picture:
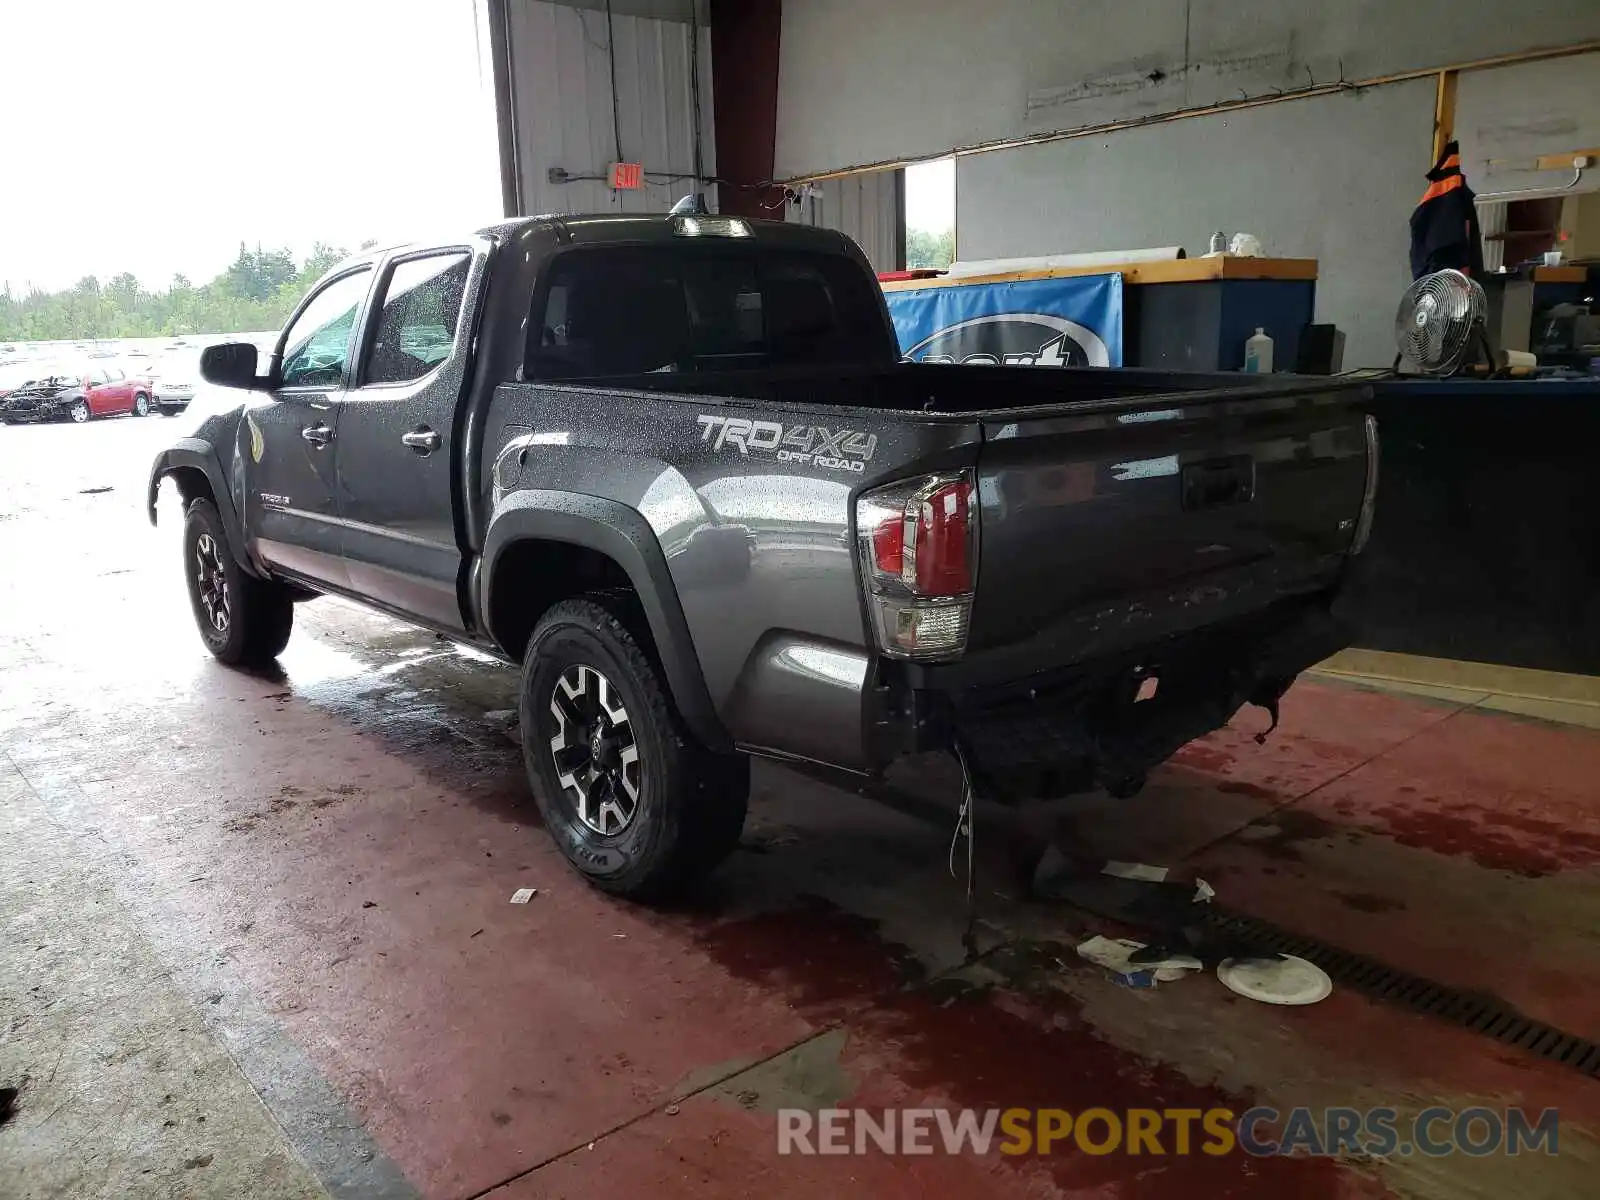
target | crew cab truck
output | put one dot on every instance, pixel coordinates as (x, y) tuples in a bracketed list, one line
[(674, 468)]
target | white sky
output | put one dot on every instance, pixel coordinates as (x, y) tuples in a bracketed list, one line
[(153, 136), (931, 195)]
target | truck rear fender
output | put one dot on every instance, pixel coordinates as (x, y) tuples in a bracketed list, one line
[(612, 543)]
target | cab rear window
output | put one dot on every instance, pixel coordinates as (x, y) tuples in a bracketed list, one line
[(635, 310)]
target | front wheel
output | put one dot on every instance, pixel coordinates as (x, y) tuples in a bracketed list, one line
[(637, 806), (79, 412), (244, 621), (141, 405)]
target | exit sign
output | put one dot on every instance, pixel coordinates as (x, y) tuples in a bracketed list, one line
[(627, 176)]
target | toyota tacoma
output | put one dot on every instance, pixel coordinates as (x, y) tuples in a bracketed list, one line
[(675, 469)]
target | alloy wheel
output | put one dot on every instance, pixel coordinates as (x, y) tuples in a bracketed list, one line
[(141, 406), (214, 598), (80, 412), (595, 754)]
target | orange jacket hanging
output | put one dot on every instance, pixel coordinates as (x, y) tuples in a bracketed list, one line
[(1444, 225)]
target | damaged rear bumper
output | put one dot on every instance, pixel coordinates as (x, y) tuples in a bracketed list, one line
[(1086, 727)]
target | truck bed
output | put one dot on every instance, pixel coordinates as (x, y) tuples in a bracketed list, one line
[(949, 388), (1117, 508)]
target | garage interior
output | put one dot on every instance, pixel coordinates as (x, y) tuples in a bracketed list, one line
[(257, 932)]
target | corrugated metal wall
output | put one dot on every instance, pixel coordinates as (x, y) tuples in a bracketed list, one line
[(562, 109), (870, 207)]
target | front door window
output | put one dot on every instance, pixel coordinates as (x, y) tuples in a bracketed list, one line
[(316, 348)]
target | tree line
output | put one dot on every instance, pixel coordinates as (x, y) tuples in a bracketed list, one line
[(257, 291), (930, 248)]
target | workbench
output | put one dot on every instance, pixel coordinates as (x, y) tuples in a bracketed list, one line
[(1191, 314)]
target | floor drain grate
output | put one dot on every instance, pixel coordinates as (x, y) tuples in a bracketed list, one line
[(1478, 1011)]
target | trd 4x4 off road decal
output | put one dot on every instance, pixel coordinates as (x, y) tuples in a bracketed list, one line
[(806, 445)]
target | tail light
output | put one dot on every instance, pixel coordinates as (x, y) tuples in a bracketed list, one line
[(1369, 496), (919, 560)]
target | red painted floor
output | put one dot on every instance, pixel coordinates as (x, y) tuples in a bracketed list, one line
[(345, 838)]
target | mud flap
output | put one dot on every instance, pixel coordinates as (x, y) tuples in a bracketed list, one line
[(1270, 703), (1272, 711)]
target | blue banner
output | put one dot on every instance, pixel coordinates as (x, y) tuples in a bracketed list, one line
[(1074, 321)]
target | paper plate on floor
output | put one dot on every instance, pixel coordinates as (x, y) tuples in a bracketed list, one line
[(1287, 980)]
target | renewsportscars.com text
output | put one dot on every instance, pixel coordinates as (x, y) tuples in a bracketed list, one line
[(1262, 1131)]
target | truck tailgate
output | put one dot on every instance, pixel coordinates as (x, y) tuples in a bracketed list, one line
[(1103, 530)]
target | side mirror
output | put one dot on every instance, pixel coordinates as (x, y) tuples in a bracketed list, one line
[(232, 364)]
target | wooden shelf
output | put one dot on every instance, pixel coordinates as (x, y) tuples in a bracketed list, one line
[(1177, 270), (1563, 274)]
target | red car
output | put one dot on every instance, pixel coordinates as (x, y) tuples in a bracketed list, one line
[(121, 391), (78, 393)]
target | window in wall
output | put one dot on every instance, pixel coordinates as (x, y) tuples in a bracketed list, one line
[(931, 213)]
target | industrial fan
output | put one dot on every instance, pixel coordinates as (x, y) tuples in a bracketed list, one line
[(1442, 326)]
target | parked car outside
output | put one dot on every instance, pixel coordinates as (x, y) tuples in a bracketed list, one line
[(140, 374), (175, 377), (123, 391), (76, 392), (14, 375)]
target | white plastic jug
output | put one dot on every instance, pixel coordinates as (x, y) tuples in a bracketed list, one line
[(1258, 352)]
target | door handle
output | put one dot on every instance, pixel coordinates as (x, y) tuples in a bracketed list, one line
[(422, 439), (318, 435)]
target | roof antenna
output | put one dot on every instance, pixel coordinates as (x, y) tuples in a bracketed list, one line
[(693, 205)]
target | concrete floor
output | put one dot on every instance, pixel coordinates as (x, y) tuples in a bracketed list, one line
[(256, 938)]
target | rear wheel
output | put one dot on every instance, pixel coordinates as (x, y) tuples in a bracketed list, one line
[(79, 412), (637, 806), (244, 621), (141, 405)]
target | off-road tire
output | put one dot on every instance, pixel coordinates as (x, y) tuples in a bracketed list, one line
[(260, 614), (691, 802)]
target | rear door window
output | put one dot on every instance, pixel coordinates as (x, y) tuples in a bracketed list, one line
[(416, 327), (628, 310)]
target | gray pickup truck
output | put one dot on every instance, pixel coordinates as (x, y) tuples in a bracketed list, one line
[(674, 468)]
